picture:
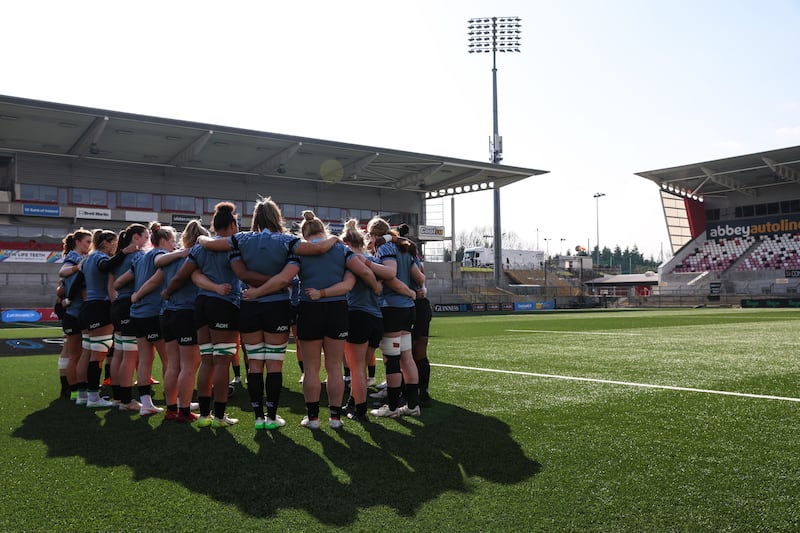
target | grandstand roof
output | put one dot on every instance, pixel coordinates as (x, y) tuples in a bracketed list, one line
[(34, 126), (744, 175), (626, 280)]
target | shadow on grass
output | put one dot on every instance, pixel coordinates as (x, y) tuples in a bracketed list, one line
[(401, 464)]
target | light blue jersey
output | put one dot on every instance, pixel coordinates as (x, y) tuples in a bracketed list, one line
[(184, 297), (127, 263), (361, 297), (216, 266), (321, 271), (150, 305), (265, 252), (404, 261)]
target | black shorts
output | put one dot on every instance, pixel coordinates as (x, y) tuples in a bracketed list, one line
[(148, 328), (398, 318), (365, 327), (422, 321), (271, 317), (216, 313), (95, 314), (317, 320), (179, 325), (121, 317), (71, 325)]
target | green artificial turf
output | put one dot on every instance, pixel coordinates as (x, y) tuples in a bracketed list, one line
[(540, 423)]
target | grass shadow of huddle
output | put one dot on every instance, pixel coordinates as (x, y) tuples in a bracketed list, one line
[(382, 464)]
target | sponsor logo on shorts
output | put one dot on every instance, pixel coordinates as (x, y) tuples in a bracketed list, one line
[(281, 328), (94, 325), (343, 335), (221, 325), (186, 339), (125, 321), (152, 336)]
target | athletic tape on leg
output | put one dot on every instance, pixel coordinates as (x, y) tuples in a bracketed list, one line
[(225, 348), (275, 352), (127, 343), (405, 342), (101, 343), (390, 346), (206, 349), (256, 351)]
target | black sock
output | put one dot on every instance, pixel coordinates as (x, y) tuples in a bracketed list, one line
[(219, 409), (125, 394), (361, 409), (115, 394), (93, 376), (346, 371), (255, 387), (336, 411), (205, 405), (371, 371), (312, 409), (424, 371), (412, 395), (273, 389), (107, 369), (73, 388), (185, 411), (300, 364), (145, 390), (64, 387), (237, 371), (173, 407), (393, 397)]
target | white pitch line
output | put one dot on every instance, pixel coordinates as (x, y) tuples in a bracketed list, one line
[(574, 332), (626, 383)]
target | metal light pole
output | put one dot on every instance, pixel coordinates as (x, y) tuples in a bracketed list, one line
[(597, 197), (495, 34)]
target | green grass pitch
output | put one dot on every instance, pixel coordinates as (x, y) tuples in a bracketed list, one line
[(669, 420)]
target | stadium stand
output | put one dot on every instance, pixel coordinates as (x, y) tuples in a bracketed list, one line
[(715, 256), (773, 252)]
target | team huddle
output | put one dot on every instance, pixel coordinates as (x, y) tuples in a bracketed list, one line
[(123, 298)]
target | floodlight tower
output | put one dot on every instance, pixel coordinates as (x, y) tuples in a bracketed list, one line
[(495, 34), (597, 197)]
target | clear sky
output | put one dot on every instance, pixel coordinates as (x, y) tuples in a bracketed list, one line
[(600, 90)]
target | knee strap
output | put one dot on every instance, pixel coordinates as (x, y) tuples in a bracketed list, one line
[(392, 365), (206, 349)]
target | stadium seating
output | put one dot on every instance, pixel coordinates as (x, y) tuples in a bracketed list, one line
[(774, 252), (715, 255)]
